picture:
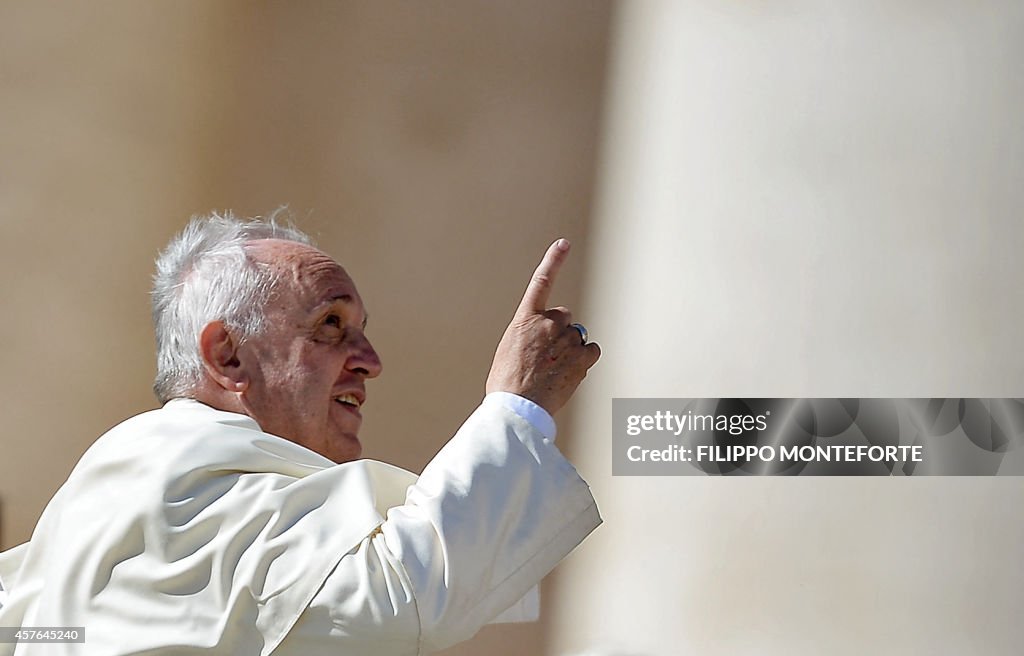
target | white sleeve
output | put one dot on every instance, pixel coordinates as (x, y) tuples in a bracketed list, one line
[(537, 416), (491, 514)]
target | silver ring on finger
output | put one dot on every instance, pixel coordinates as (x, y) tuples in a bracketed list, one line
[(584, 335)]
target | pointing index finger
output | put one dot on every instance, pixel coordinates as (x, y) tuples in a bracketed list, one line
[(537, 292)]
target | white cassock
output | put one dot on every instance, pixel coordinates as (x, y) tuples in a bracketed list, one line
[(188, 530)]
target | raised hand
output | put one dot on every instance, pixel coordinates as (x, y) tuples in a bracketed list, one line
[(542, 356)]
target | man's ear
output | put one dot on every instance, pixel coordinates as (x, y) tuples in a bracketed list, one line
[(219, 351)]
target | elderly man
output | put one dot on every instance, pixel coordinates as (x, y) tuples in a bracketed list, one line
[(238, 519)]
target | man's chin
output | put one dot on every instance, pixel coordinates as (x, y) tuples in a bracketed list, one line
[(343, 443), (344, 448)]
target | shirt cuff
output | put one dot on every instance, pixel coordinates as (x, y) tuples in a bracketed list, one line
[(537, 416)]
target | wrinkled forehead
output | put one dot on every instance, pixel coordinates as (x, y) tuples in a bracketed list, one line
[(307, 276)]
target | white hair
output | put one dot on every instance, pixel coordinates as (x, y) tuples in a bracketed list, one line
[(206, 275)]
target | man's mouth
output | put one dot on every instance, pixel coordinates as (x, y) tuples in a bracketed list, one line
[(349, 400)]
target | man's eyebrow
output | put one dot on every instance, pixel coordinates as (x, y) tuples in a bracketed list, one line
[(346, 298)]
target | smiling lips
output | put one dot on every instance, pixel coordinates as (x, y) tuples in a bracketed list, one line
[(350, 400)]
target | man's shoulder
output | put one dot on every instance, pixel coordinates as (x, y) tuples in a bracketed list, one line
[(183, 446), (177, 416), (161, 435), (190, 430)]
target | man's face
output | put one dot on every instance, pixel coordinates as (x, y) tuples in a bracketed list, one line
[(308, 367)]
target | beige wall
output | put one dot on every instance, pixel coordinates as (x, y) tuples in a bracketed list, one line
[(806, 199), (436, 148), (106, 110)]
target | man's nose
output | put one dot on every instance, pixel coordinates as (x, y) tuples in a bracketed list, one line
[(364, 359)]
